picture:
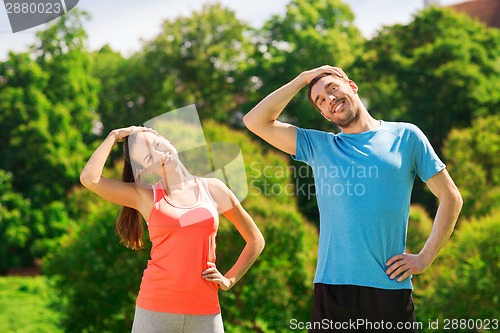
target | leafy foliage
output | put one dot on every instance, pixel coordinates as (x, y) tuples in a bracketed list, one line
[(474, 161), (46, 110), (439, 71), (197, 59), (15, 231), (46, 102), (466, 274), (26, 233), (118, 96)]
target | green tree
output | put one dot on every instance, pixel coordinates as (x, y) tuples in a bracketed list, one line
[(97, 279), (15, 231), (196, 59), (440, 71), (62, 53), (466, 275), (46, 112), (46, 102), (41, 153), (473, 156), (120, 96)]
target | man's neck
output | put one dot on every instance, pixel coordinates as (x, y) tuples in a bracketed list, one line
[(364, 123)]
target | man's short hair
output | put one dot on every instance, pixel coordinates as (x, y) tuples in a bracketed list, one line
[(312, 83)]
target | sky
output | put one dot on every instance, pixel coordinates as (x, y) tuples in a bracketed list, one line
[(124, 24)]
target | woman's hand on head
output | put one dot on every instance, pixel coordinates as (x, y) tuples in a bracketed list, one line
[(212, 274), (121, 133)]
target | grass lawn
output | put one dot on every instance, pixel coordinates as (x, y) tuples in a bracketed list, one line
[(24, 306)]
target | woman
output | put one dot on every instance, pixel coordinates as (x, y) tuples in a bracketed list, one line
[(179, 288)]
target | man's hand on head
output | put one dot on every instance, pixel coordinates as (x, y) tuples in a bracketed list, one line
[(309, 75)]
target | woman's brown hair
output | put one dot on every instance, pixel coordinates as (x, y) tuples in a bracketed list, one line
[(129, 223)]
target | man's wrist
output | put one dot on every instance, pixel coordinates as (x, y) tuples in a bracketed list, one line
[(426, 258), (300, 81)]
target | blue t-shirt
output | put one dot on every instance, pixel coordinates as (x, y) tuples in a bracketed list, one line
[(363, 186)]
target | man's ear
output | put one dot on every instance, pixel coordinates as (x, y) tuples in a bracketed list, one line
[(353, 86)]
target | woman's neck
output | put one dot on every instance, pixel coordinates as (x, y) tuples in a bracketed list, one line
[(177, 179)]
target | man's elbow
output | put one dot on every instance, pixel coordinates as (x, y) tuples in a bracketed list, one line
[(455, 199), (257, 125)]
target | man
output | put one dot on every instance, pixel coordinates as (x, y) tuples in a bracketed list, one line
[(364, 177)]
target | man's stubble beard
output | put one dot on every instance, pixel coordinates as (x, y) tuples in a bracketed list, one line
[(352, 115)]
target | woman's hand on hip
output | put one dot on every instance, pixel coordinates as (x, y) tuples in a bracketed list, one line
[(212, 274)]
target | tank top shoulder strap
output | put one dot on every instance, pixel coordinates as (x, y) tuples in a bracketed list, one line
[(158, 192), (205, 190)]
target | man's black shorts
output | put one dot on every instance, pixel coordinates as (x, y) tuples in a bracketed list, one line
[(348, 308)]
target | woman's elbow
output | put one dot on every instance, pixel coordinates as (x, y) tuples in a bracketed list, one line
[(86, 180), (459, 200), (247, 120), (260, 243)]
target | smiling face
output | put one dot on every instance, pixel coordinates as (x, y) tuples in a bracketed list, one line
[(337, 100), (150, 153)]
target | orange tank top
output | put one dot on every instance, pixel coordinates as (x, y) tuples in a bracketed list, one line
[(183, 240)]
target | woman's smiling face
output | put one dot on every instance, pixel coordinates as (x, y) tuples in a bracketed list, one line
[(151, 152)]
